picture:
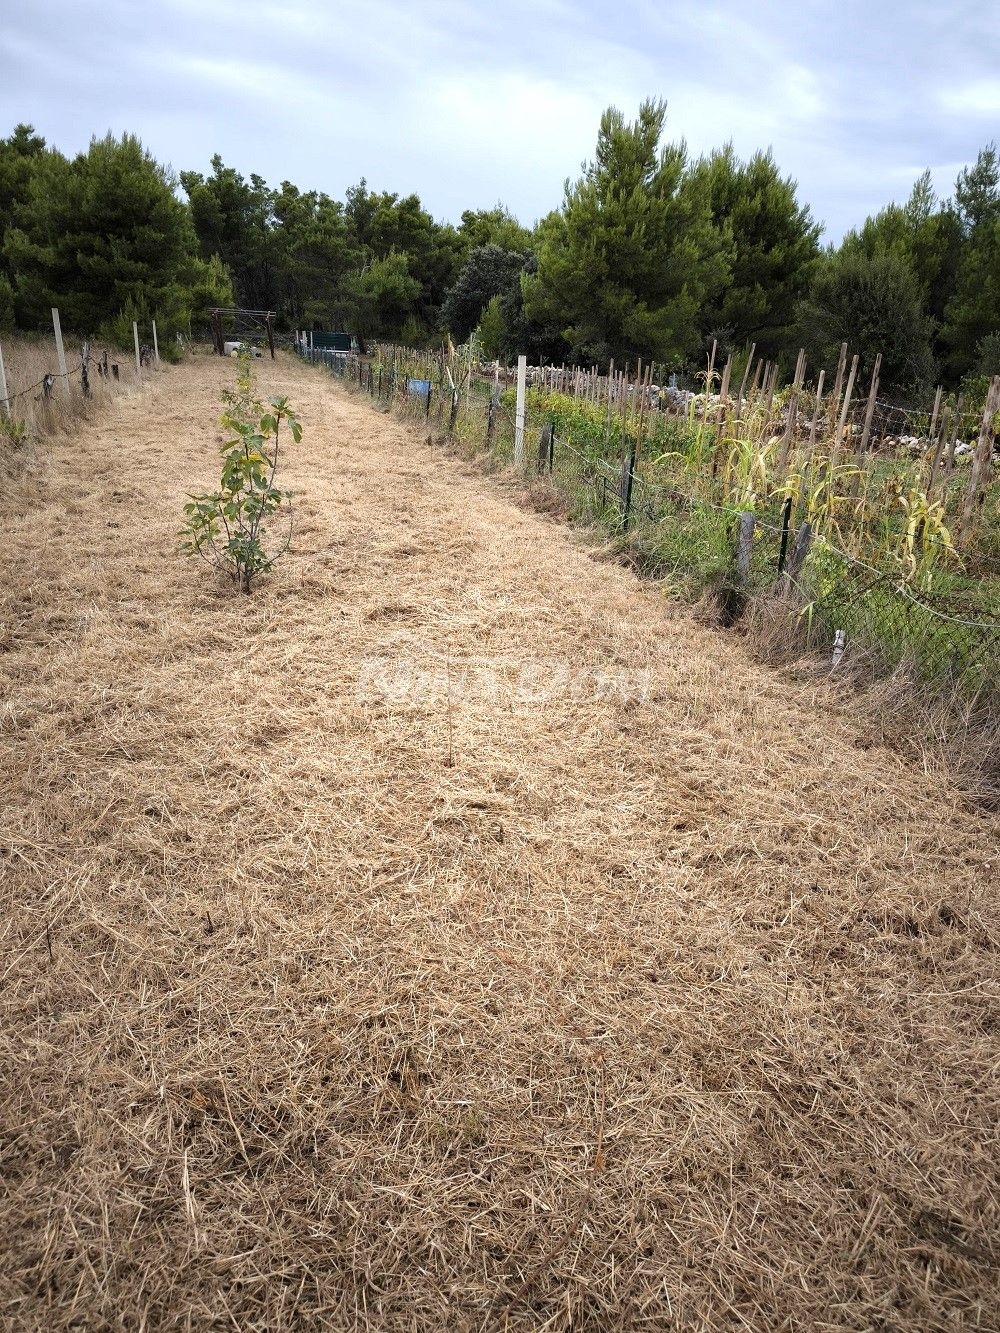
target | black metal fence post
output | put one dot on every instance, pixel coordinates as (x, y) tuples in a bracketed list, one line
[(628, 476), (786, 518)]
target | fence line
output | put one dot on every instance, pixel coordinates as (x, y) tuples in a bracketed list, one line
[(831, 596), (104, 368)]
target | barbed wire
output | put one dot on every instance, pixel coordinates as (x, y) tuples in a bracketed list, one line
[(49, 377)]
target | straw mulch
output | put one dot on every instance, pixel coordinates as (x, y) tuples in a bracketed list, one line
[(675, 1014)]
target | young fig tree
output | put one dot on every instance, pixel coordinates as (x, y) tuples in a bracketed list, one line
[(234, 528)]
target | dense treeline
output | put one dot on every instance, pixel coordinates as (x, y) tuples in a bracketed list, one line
[(651, 254)]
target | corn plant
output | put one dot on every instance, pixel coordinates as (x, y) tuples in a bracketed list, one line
[(229, 528), (925, 540)]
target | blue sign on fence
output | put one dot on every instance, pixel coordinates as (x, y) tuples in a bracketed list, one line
[(420, 387)]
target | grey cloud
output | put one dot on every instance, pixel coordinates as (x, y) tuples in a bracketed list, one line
[(467, 104)]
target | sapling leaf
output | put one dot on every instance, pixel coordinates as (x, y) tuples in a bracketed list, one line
[(247, 493)]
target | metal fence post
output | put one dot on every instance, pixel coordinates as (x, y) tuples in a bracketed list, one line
[(522, 365), (786, 517), (747, 523), (628, 476), (4, 403)]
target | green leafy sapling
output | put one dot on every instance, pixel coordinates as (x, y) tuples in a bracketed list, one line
[(230, 527)]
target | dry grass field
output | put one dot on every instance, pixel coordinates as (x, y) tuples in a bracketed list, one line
[(328, 1008), (26, 363)]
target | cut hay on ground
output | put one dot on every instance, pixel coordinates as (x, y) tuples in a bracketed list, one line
[(675, 1014)]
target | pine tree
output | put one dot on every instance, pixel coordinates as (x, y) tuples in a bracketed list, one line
[(488, 272), (235, 219), (774, 250), (100, 231), (872, 302), (626, 264), (973, 313)]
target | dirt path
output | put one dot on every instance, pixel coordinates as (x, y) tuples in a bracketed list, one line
[(675, 1012)]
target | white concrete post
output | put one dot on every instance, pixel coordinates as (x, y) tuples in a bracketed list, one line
[(522, 366), (60, 353), (138, 359), (156, 345), (4, 405), (839, 644)]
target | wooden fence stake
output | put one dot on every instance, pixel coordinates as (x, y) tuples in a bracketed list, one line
[(768, 389), (838, 383), (544, 446), (981, 463), (803, 540), (816, 413), (793, 410), (138, 358), (746, 375), (60, 352), (859, 457), (939, 445), (842, 421), (956, 426), (156, 345)]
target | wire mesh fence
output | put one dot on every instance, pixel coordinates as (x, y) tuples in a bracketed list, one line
[(820, 600)]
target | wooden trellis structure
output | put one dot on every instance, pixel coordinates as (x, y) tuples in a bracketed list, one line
[(243, 323)]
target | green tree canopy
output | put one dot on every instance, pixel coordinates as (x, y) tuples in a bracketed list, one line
[(318, 253), (921, 235), (774, 248), (383, 297), (494, 226), (384, 225), (973, 312), (235, 219), (873, 303), (19, 156), (625, 267), (488, 272), (102, 231)]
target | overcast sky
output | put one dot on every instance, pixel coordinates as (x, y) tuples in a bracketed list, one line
[(470, 103)]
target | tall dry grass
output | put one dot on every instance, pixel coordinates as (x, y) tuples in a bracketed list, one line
[(34, 414)]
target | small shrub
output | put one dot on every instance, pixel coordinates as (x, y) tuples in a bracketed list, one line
[(171, 351), (229, 527), (14, 431)]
